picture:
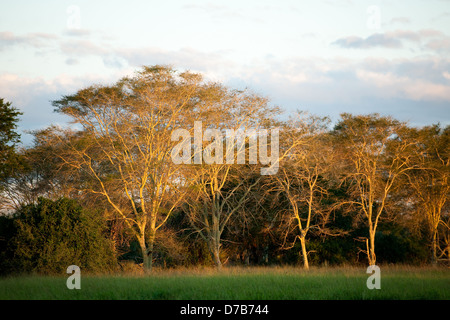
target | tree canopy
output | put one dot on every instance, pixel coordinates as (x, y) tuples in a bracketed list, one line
[(167, 168)]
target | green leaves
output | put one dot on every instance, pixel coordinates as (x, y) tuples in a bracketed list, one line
[(9, 116), (51, 235)]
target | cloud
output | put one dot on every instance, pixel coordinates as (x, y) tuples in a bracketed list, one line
[(33, 96), (213, 64), (439, 45), (335, 85), (36, 40), (78, 46), (77, 32), (391, 85), (426, 39), (375, 40), (222, 13), (416, 89), (400, 20), (339, 3), (82, 48), (72, 61), (446, 75), (425, 68), (324, 85), (442, 16), (74, 45), (413, 89)]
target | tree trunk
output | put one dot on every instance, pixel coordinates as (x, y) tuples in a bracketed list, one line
[(448, 252), (434, 248), (214, 241), (371, 247), (214, 249), (214, 246), (217, 261), (151, 242), (304, 253), (147, 266)]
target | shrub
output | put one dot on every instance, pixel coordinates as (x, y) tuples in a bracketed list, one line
[(51, 235)]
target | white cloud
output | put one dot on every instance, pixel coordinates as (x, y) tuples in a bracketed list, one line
[(446, 75), (423, 39), (37, 40), (394, 86), (400, 20)]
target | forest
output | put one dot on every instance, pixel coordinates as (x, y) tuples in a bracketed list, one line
[(164, 169)]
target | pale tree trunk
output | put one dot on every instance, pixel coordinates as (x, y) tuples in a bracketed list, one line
[(214, 242), (434, 247), (146, 261), (147, 248), (303, 232), (304, 253), (435, 215), (216, 257), (370, 244), (151, 242), (214, 249)]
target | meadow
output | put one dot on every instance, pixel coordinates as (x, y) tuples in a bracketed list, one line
[(238, 283)]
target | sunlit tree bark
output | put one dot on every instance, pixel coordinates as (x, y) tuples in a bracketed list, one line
[(430, 182), (121, 139), (377, 151), (220, 188), (306, 163)]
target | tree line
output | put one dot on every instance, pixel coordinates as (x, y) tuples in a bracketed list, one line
[(107, 189)]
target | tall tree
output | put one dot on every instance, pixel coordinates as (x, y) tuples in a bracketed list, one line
[(221, 181), (430, 181), (10, 161), (123, 143), (36, 175), (9, 138), (305, 165), (377, 152)]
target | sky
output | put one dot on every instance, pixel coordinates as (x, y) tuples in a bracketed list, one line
[(324, 56)]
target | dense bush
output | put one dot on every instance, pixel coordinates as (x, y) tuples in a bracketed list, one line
[(51, 235)]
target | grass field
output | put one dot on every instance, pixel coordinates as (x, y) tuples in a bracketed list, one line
[(271, 283)]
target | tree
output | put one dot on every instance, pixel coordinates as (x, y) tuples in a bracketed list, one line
[(218, 196), (430, 181), (37, 174), (220, 185), (9, 138), (306, 162), (9, 116), (377, 152), (123, 144)]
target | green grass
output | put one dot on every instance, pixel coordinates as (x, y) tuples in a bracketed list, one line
[(284, 283)]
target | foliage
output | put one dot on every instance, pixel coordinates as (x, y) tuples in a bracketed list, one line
[(51, 235), (9, 138), (108, 189)]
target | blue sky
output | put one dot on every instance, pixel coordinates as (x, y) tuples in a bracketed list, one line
[(324, 56)]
